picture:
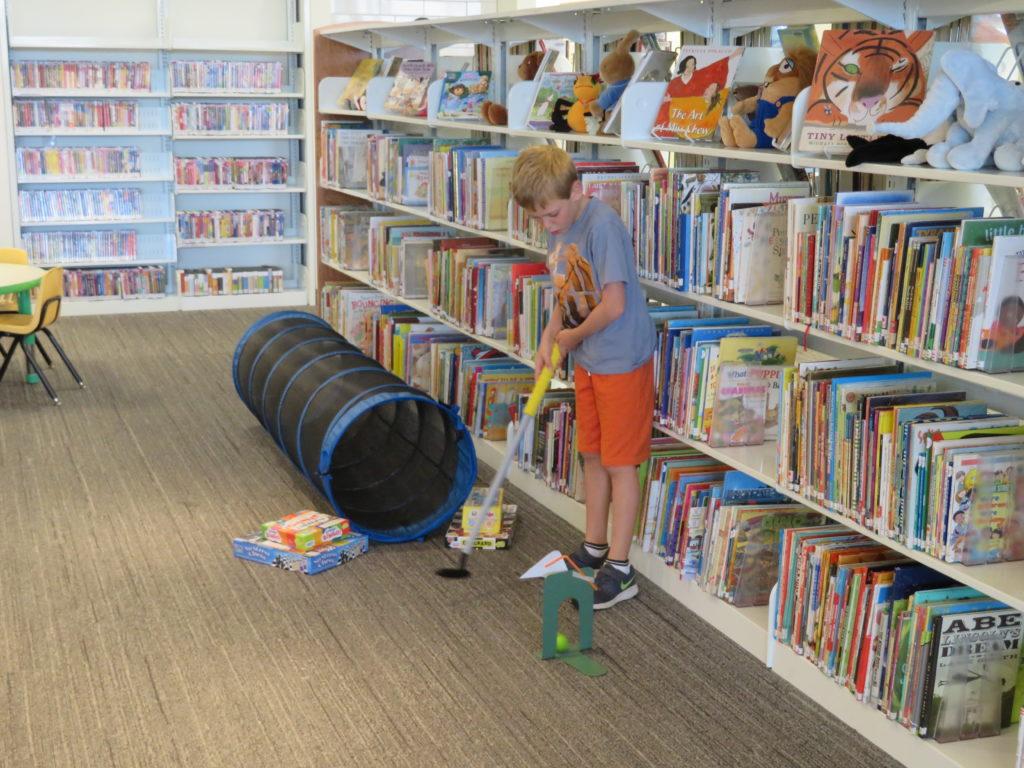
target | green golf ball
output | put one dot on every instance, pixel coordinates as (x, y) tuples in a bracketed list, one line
[(561, 643)]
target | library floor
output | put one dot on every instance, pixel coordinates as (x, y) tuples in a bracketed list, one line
[(129, 636)]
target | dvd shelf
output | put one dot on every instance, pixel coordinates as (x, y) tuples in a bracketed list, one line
[(750, 627), (115, 150)]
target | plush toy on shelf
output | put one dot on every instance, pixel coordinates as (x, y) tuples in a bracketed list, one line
[(587, 89), (970, 117), (616, 69), (764, 120), (570, 115), (494, 113), (528, 67)]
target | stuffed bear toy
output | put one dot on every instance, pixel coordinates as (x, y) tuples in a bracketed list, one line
[(970, 117), (494, 113), (616, 69), (530, 64), (771, 111)]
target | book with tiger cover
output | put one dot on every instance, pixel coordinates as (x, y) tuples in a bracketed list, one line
[(696, 96), (861, 78)]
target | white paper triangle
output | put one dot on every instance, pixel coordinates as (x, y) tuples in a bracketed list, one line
[(552, 562)]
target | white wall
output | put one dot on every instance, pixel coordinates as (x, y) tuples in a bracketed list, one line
[(406, 10)]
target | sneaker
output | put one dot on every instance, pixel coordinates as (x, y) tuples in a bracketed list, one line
[(614, 586), (584, 559)]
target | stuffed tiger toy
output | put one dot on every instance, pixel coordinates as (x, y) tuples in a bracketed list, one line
[(864, 76)]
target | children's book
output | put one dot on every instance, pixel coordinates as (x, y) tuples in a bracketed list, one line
[(457, 535), (462, 94), (409, 93), (805, 36), (1002, 334), (354, 95), (863, 77), (975, 657), (696, 96), (552, 87), (741, 404)]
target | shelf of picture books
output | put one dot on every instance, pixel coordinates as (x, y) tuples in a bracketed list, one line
[(39, 161), (235, 76), (93, 207), (228, 175), (876, 272), (467, 284), (87, 75), (876, 622), (209, 228), (229, 120), (425, 266)]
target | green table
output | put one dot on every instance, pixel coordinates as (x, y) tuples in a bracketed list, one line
[(20, 279)]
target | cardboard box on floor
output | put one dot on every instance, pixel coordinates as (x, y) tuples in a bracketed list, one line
[(324, 557)]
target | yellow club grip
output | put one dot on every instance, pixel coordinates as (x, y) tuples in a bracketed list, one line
[(543, 381)]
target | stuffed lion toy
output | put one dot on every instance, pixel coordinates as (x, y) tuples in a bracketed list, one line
[(771, 111)]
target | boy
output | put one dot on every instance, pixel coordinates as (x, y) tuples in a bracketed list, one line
[(600, 316)]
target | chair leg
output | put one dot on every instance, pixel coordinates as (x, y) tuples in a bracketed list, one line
[(64, 357), (8, 355), (42, 377), (42, 351)]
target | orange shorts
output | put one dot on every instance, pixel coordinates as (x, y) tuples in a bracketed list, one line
[(614, 412)]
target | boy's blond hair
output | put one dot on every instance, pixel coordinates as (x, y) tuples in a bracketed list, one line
[(541, 175)]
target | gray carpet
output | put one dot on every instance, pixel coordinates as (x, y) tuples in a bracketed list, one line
[(129, 636)]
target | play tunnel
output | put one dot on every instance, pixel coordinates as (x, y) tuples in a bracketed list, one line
[(391, 459)]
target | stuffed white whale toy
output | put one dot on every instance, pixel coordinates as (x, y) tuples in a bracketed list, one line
[(987, 113)]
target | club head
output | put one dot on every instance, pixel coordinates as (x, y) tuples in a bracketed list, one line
[(453, 573)]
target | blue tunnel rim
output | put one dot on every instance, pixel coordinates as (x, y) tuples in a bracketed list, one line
[(301, 420), (266, 319), (465, 472)]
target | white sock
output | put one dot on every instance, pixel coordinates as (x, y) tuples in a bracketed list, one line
[(622, 566), (596, 550)]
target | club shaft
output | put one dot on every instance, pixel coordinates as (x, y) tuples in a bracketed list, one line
[(511, 449)]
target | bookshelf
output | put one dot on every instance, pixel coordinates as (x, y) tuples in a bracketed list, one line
[(590, 24), (231, 60)]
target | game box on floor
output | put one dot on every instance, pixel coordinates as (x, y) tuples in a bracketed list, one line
[(324, 557)]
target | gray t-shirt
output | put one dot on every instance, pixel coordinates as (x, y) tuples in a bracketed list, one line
[(595, 251)]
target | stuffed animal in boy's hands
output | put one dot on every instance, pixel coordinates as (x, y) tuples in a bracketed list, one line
[(986, 110), (771, 111), (616, 69)]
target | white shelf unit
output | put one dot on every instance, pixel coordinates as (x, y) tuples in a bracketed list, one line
[(153, 224), (286, 298), (286, 253), (587, 23), (77, 307), (158, 146)]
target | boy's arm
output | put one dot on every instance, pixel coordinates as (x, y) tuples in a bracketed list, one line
[(608, 310)]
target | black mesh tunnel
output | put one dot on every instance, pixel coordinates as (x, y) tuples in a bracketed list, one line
[(395, 462)]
